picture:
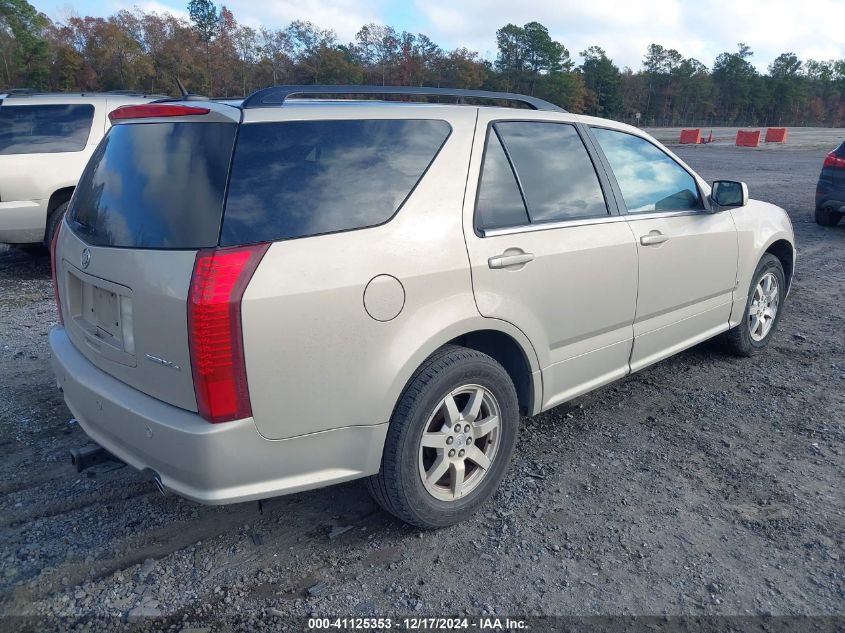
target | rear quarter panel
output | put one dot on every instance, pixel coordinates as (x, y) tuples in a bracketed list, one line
[(315, 358)]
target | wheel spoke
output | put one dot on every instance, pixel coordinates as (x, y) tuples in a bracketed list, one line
[(452, 412), (477, 456), (474, 405), (755, 323), (434, 440), (485, 426), (456, 475), (752, 308), (438, 469), (769, 313)]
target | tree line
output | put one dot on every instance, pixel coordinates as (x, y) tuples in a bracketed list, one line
[(213, 54)]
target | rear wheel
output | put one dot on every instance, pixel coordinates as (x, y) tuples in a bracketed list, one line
[(827, 216), (762, 311), (450, 439), (53, 221)]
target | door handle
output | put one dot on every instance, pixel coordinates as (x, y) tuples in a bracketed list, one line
[(653, 238), (510, 258)]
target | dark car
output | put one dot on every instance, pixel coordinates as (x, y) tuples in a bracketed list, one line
[(830, 192)]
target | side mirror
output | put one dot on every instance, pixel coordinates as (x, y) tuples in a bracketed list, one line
[(729, 193)]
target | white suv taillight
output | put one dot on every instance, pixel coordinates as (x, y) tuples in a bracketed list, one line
[(53, 243), (215, 332)]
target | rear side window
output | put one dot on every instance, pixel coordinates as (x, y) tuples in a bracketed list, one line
[(555, 177), (44, 129), (649, 179), (155, 185), (500, 203), (298, 178)]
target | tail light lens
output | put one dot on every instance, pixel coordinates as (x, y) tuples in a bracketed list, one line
[(215, 330), (53, 244), (832, 160)]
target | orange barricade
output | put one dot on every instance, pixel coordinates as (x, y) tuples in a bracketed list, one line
[(748, 138), (692, 136), (776, 135)]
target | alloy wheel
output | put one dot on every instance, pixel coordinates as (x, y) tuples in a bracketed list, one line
[(459, 442), (763, 307)]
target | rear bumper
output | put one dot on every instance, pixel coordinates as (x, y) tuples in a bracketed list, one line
[(208, 463), (22, 221)]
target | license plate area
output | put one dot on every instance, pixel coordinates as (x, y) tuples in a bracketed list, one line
[(101, 313)]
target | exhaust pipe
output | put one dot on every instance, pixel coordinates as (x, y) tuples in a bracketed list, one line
[(87, 456), (153, 476), (160, 486)]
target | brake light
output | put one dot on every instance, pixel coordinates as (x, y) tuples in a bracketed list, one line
[(53, 243), (154, 110), (215, 330), (832, 160)]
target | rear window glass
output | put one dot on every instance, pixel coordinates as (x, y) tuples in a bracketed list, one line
[(44, 129), (155, 185), (297, 178)]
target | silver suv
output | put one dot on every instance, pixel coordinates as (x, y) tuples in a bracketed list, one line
[(45, 141), (290, 293)]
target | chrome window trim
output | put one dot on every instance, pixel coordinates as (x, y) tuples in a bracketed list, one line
[(654, 215), (548, 226)]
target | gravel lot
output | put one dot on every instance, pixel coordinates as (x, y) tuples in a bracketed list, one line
[(705, 485)]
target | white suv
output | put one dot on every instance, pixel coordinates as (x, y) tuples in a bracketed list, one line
[(290, 293), (45, 142)]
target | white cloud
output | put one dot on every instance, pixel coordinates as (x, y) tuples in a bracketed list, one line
[(345, 17), (625, 27)]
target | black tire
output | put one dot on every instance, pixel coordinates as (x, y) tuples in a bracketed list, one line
[(53, 221), (738, 340), (398, 487), (827, 217)]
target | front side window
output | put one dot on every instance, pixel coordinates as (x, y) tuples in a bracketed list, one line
[(44, 129), (649, 179), (298, 178)]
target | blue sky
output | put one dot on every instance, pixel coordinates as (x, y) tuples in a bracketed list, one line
[(700, 29)]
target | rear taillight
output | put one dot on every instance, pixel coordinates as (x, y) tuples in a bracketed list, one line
[(154, 110), (832, 160), (53, 263), (215, 332)]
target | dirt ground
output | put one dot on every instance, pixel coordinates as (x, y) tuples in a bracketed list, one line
[(704, 485)]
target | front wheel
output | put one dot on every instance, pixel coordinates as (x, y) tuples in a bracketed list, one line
[(762, 311), (450, 439)]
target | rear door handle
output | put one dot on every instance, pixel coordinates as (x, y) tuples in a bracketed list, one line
[(510, 258), (653, 238)]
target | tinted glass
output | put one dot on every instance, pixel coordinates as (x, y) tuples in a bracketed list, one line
[(499, 200), (649, 179), (155, 185), (42, 129), (558, 179), (298, 178)]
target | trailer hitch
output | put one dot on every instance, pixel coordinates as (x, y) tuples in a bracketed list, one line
[(92, 455)]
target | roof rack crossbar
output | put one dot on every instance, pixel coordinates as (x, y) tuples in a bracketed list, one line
[(276, 95)]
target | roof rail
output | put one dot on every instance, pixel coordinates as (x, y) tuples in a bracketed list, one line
[(29, 92), (276, 95)]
